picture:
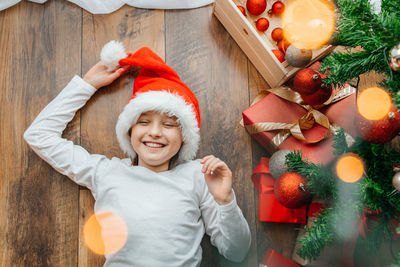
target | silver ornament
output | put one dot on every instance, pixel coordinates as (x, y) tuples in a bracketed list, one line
[(395, 58), (277, 163), (298, 57), (396, 181)]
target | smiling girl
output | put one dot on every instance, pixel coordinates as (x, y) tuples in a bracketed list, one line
[(167, 199)]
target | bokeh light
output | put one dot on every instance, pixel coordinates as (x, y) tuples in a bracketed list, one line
[(350, 168), (309, 24), (374, 103), (105, 233)]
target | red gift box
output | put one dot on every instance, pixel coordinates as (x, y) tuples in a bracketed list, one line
[(273, 109), (270, 210), (274, 259)]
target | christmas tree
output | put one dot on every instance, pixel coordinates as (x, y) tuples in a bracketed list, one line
[(374, 30)]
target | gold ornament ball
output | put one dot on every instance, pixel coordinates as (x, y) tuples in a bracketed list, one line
[(395, 58), (396, 181)]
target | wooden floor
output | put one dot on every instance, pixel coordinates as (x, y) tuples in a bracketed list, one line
[(41, 47)]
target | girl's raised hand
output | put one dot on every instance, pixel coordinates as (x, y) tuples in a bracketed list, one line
[(98, 76), (218, 177)]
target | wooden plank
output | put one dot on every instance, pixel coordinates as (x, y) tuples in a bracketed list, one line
[(278, 236), (134, 28), (86, 256), (39, 52), (214, 67)]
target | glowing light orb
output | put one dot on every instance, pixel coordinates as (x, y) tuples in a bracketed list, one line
[(105, 233), (350, 168), (308, 24), (374, 103)]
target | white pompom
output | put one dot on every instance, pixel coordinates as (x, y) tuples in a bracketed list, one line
[(111, 54)]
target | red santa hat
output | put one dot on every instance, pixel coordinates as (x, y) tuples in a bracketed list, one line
[(159, 88)]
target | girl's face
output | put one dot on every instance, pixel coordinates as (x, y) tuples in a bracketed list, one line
[(156, 138)]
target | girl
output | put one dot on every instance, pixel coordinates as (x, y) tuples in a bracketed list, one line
[(167, 199)]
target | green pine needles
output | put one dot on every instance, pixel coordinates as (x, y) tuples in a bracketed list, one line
[(374, 35), (347, 202), (368, 37)]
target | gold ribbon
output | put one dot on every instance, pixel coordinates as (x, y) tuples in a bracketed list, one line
[(306, 121)]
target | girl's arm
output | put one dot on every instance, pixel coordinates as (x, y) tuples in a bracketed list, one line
[(44, 134), (223, 219)]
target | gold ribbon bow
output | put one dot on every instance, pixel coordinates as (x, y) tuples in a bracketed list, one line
[(306, 121)]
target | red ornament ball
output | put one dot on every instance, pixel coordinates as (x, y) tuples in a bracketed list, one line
[(242, 10), (279, 55), (277, 34), (283, 45), (307, 82), (379, 131), (291, 191), (256, 7), (277, 8), (319, 97), (262, 24)]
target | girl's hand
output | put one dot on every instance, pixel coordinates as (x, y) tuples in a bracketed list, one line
[(98, 76), (218, 178)]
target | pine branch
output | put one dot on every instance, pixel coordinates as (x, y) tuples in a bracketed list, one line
[(372, 242), (321, 181), (334, 224), (397, 264), (343, 67), (317, 236), (379, 162), (374, 34), (339, 142)]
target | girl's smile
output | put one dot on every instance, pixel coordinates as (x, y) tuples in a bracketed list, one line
[(156, 138)]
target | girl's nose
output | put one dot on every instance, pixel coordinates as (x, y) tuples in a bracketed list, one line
[(155, 129)]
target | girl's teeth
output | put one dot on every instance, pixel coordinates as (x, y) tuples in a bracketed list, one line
[(153, 145)]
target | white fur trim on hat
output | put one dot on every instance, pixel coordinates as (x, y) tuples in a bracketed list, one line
[(163, 102), (111, 53)]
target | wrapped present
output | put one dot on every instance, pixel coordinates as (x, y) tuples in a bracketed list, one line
[(274, 259), (281, 120), (270, 210)]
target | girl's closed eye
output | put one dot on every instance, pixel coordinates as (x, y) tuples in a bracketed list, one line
[(143, 122), (170, 124)]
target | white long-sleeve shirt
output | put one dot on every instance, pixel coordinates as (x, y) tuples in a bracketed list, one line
[(166, 213)]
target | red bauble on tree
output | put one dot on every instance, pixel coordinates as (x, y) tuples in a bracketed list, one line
[(256, 7), (379, 131), (291, 191), (307, 82)]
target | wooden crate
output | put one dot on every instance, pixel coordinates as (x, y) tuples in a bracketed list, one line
[(256, 45)]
